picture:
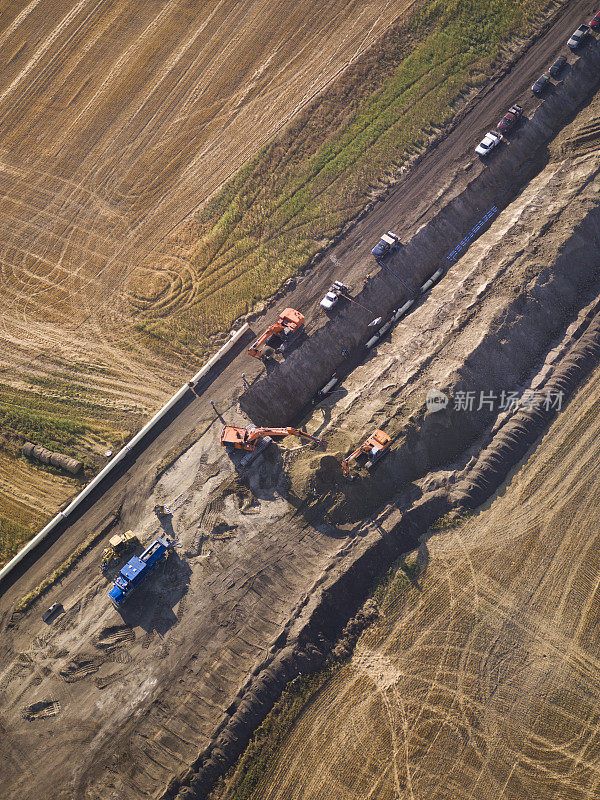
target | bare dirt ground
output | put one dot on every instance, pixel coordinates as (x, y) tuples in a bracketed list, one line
[(134, 697), (117, 122), (483, 680), (480, 679)]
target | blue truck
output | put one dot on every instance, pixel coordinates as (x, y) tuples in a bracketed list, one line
[(137, 569)]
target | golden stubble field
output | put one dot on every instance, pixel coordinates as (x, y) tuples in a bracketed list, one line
[(483, 680), (117, 120)]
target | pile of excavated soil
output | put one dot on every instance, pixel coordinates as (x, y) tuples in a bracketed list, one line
[(482, 329), (483, 678)]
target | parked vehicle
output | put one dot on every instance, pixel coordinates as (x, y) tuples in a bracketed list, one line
[(579, 36), (558, 66), (386, 245), (137, 569), (333, 295), (118, 545), (487, 144), (595, 21), (541, 84), (510, 119), (52, 612)]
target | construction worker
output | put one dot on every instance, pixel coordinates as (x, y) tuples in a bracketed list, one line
[(244, 381)]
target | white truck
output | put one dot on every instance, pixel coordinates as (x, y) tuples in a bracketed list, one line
[(333, 295)]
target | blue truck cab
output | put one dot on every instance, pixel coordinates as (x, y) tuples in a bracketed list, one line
[(137, 569), (386, 245)]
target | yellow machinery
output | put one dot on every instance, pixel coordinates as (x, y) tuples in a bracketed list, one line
[(118, 545)]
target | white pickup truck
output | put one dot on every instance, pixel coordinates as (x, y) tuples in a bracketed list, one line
[(333, 295)]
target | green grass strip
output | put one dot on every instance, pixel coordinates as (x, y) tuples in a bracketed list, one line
[(302, 188)]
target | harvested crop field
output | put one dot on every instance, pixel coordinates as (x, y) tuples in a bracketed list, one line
[(118, 121), (159, 698), (481, 678)]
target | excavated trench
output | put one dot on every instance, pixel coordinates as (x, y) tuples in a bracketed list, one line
[(310, 637), (517, 338), (280, 396), (516, 347)]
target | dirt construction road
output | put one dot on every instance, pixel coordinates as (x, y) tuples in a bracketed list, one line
[(136, 697)]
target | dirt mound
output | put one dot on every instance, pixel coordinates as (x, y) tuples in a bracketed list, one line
[(113, 637), (316, 475), (79, 668), (515, 437)]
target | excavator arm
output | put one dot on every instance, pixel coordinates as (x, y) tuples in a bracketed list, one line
[(346, 462), (255, 347), (249, 438), (302, 434)]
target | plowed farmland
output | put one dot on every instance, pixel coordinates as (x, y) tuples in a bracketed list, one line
[(482, 678)]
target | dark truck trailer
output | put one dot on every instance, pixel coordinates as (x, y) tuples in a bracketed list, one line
[(137, 570)]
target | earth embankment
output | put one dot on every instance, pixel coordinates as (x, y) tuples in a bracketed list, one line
[(288, 387)]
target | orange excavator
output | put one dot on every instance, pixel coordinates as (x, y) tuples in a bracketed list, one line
[(280, 334), (252, 438), (374, 448)]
